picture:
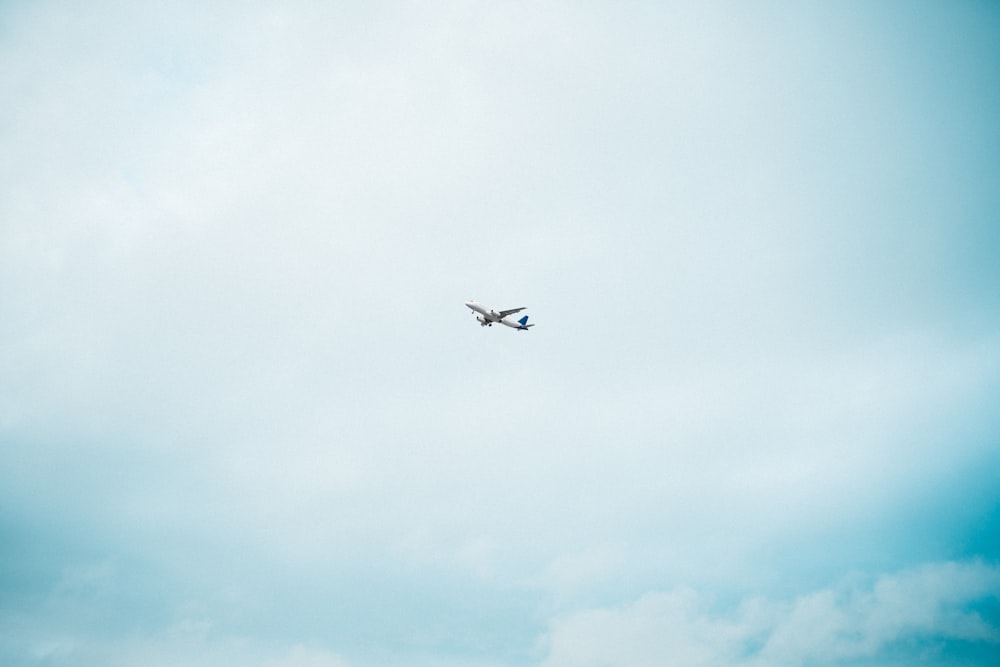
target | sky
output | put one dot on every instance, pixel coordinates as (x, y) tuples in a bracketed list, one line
[(246, 419)]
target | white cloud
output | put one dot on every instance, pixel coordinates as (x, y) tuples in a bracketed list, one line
[(188, 641), (928, 605), (660, 628), (301, 656), (929, 602)]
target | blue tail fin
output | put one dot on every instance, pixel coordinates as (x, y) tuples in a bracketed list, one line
[(523, 320)]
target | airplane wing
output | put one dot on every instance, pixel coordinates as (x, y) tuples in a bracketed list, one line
[(505, 313)]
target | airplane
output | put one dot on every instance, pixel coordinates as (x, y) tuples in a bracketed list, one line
[(487, 316)]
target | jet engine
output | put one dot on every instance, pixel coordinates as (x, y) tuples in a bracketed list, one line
[(483, 321)]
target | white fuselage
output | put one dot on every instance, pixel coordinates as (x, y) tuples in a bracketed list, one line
[(487, 314)]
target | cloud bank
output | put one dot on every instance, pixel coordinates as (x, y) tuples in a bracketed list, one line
[(925, 615)]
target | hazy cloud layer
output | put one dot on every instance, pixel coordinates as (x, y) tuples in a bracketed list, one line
[(245, 418)]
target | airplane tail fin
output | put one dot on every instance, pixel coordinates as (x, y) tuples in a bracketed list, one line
[(524, 323)]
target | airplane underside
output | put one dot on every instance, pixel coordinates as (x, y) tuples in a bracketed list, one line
[(487, 317)]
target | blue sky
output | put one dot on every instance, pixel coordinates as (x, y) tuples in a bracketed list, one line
[(245, 418)]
